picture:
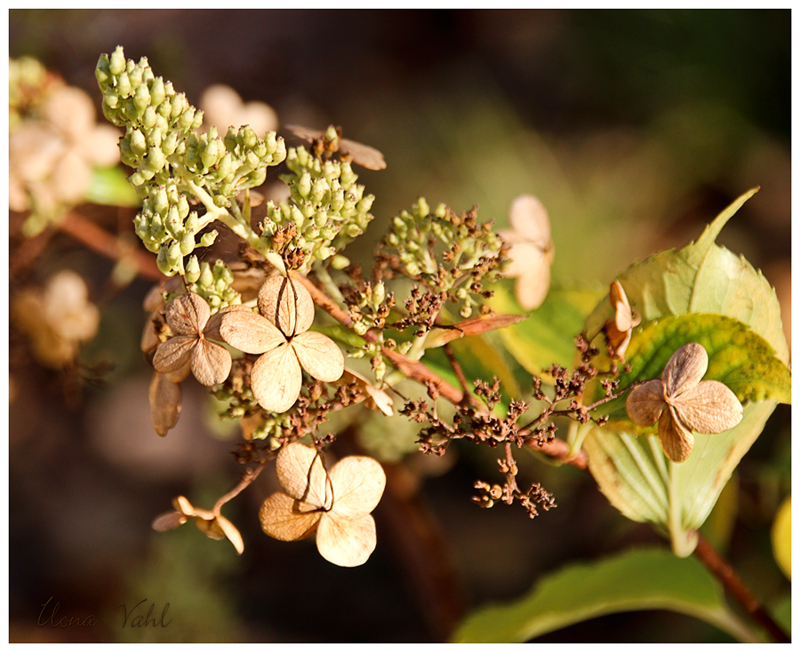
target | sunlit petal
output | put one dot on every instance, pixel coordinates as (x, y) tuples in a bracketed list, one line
[(282, 518), (346, 542), (249, 332), (319, 355), (358, 484), (276, 378)]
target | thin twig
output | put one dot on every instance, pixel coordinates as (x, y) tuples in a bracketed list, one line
[(462, 379), (108, 245), (247, 479), (737, 589)]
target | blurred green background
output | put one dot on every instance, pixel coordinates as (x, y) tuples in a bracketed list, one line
[(635, 128)]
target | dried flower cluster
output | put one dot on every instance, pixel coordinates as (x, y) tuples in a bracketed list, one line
[(211, 523)]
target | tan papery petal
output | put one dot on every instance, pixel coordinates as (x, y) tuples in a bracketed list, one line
[(284, 518), (302, 475), (286, 304), (210, 527), (165, 403), (249, 332), (358, 484), (531, 288), (646, 402), (685, 369), (529, 218), (319, 355), (174, 353), (346, 542), (232, 533), (276, 379), (182, 504), (709, 408), (168, 521), (676, 440), (187, 314), (211, 363), (211, 331)]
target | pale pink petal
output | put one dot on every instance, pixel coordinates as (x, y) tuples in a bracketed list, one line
[(249, 332), (319, 355), (346, 542), (358, 484), (276, 378)]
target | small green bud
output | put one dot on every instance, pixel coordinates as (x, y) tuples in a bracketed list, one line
[(179, 105), (198, 120), (183, 206), (117, 61), (321, 217), (208, 238), (329, 232), (149, 118), (170, 143), (135, 76), (214, 301), (137, 179), (162, 263), (157, 92), (365, 204), (462, 293), (160, 201), (304, 185), (412, 268), (206, 276), (318, 190), (111, 100), (353, 231), (360, 328), (378, 294), (138, 142), (187, 244), (339, 262), (174, 255), (297, 217), (123, 85), (247, 136), (221, 201), (192, 270), (465, 312), (192, 223)]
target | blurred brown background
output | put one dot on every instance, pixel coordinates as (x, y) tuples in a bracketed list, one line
[(635, 128)]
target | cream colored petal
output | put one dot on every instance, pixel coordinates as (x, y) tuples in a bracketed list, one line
[(211, 330), (276, 379), (101, 145), (284, 518), (532, 286), (358, 484), (232, 533), (286, 304), (249, 332), (646, 402), (210, 528), (183, 505), (529, 218), (709, 408), (71, 110), (187, 314), (165, 403), (174, 353), (319, 355), (302, 475), (685, 369), (617, 340), (211, 363), (676, 440), (525, 257), (346, 542)]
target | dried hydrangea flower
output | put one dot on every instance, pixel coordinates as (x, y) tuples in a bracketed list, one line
[(189, 317), (214, 526), (280, 334), (337, 504), (532, 250), (707, 407), (223, 107), (618, 330), (58, 318)]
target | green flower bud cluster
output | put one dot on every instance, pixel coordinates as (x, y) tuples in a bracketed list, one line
[(212, 283), (447, 252), (172, 162), (327, 207)]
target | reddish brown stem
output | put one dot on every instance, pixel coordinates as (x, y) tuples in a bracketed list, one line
[(246, 481), (99, 240), (737, 589)]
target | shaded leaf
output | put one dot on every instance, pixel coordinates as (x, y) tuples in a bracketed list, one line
[(635, 580)]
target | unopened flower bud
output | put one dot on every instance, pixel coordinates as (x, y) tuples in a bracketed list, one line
[(304, 185), (187, 244), (192, 270), (208, 238)]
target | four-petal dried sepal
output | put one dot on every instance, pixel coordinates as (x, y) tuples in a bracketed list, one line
[(692, 404), (337, 504), (213, 525), (280, 336)]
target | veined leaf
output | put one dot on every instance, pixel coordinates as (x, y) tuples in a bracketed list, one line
[(632, 581), (706, 294)]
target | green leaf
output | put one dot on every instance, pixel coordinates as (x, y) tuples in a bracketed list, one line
[(635, 580), (699, 281), (109, 186), (547, 337)]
